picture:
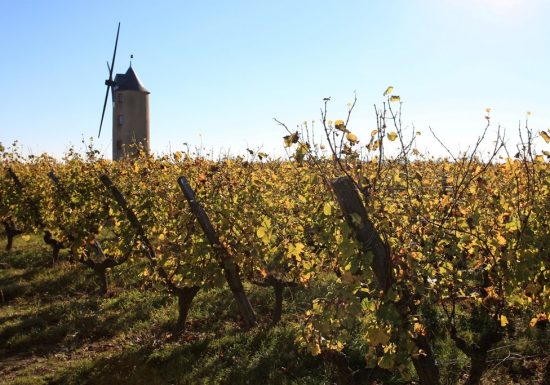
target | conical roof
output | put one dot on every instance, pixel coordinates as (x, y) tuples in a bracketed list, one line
[(128, 82)]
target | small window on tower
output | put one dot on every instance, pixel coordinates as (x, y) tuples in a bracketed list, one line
[(121, 119), (119, 145)]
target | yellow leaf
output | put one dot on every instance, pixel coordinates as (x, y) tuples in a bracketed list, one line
[(488, 110), (545, 136), (26, 238), (327, 209), (501, 240), (392, 136), (351, 137), (340, 125), (373, 146), (503, 320), (390, 348), (161, 237), (298, 248), (314, 349), (291, 139), (541, 317), (395, 98), (202, 177), (388, 91), (373, 133), (377, 336), (305, 277), (260, 232), (419, 328)]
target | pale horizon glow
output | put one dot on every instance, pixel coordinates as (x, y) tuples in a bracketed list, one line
[(504, 3)]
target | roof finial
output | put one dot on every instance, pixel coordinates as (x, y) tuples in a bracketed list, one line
[(131, 57)]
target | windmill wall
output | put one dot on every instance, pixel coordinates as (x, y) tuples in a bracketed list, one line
[(130, 122)]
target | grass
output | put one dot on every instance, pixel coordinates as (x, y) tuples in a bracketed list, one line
[(55, 329)]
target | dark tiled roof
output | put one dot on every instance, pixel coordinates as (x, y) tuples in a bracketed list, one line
[(128, 82)]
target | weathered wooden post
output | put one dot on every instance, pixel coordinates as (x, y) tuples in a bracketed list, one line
[(226, 260), (352, 207)]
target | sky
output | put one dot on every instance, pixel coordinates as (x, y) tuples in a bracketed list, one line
[(220, 71)]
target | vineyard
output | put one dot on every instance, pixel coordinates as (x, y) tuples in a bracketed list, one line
[(347, 263)]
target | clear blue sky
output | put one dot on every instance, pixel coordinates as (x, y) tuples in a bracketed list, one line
[(219, 71)]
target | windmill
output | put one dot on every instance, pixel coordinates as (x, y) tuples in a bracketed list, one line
[(130, 110)]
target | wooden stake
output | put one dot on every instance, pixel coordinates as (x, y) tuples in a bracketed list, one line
[(226, 260)]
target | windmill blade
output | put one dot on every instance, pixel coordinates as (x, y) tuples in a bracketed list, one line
[(103, 113), (109, 82), (114, 53)]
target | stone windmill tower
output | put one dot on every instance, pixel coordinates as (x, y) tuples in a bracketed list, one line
[(130, 111)]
